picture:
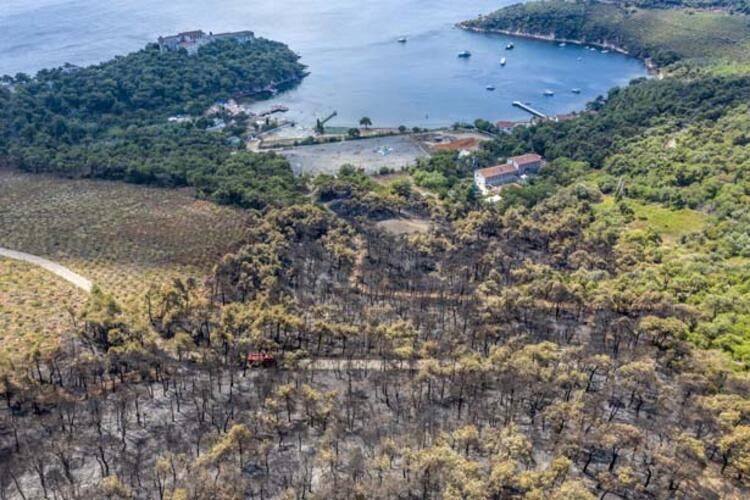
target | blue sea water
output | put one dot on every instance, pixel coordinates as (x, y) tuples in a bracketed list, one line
[(356, 66)]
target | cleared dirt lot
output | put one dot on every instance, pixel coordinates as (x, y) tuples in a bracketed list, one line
[(369, 154), (406, 225)]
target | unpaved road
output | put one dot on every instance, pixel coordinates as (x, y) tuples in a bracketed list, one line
[(53, 267), (362, 364)]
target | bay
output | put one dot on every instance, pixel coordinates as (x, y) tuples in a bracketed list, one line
[(356, 66)]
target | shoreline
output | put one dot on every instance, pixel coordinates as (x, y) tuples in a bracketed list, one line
[(651, 68)]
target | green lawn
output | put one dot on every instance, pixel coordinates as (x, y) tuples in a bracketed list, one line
[(669, 223)]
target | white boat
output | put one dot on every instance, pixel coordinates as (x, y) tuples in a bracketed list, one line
[(509, 46), (490, 87), (605, 51), (562, 44), (576, 91), (464, 53), (402, 40), (548, 93), (503, 61)]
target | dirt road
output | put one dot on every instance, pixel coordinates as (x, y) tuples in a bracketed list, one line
[(362, 364), (53, 267)]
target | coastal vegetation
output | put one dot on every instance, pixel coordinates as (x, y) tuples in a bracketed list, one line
[(671, 153), (110, 120), (587, 336)]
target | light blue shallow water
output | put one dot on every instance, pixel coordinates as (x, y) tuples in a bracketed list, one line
[(356, 66)]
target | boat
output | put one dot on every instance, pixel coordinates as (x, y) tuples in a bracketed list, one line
[(503, 61), (490, 87), (464, 53), (509, 46), (562, 44), (549, 93), (576, 91), (402, 40), (605, 51)]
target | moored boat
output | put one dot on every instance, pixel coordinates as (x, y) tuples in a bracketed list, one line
[(464, 53)]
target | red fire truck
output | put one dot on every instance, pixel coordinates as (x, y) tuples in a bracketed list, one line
[(261, 360)]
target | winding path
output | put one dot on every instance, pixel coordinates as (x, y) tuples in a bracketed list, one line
[(53, 267)]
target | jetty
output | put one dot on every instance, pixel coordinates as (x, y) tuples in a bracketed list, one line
[(531, 110)]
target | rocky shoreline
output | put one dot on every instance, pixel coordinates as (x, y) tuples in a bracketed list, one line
[(652, 68)]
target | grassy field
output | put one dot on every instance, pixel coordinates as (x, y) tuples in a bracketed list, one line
[(122, 237), (669, 223), (34, 308)]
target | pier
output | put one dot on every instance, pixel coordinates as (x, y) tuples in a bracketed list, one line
[(531, 110)]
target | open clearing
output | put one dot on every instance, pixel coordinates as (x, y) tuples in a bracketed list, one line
[(121, 237), (404, 225), (394, 152), (671, 224)]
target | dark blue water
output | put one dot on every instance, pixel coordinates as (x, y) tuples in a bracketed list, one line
[(356, 66)]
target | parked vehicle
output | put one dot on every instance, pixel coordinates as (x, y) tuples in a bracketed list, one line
[(261, 360)]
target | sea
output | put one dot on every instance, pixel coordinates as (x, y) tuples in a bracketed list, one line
[(357, 66)]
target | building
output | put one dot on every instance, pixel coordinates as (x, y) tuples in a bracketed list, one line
[(516, 168), (193, 40), (504, 126), (487, 178), (526, 164)]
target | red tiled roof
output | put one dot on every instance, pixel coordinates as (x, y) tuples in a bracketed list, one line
[(525, 159), (504, 124), (497, 170)]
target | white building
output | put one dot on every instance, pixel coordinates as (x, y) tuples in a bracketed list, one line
[(512, 171)]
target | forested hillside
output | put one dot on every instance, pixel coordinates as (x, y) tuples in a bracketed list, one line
[(110, 120), (525, 362), (664, 36)]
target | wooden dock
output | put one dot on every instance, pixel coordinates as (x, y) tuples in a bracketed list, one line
[(531, 110)]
